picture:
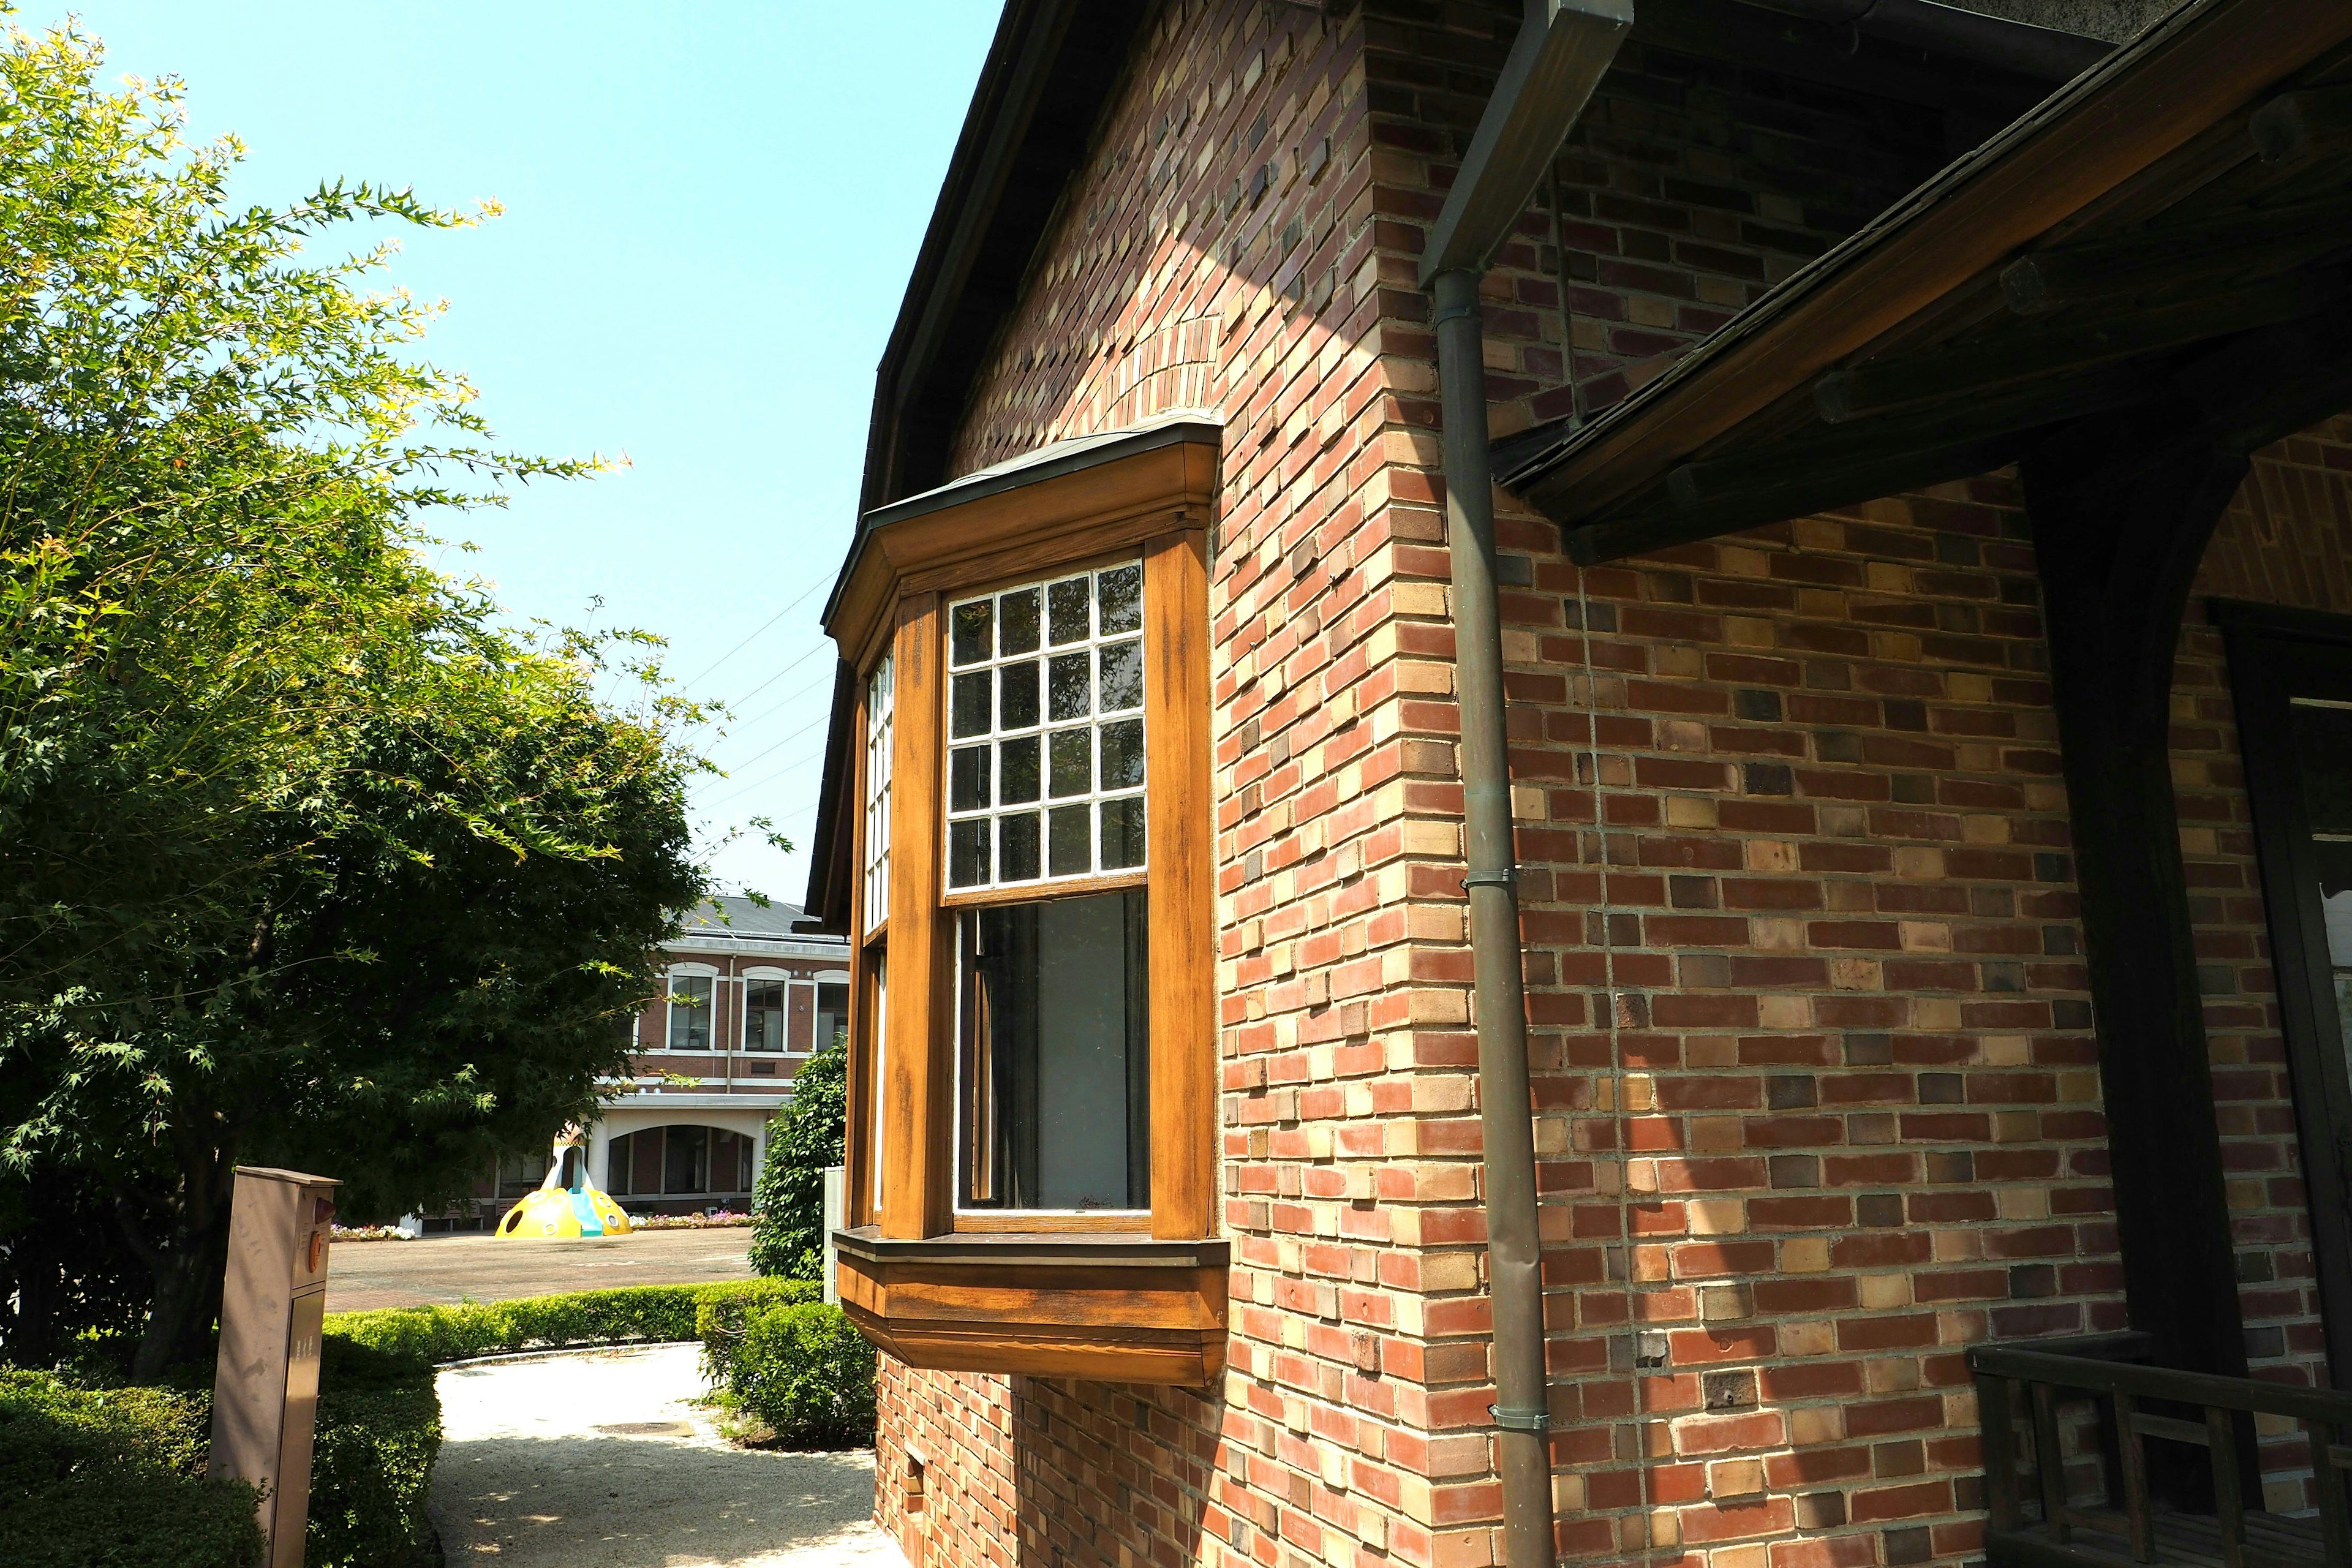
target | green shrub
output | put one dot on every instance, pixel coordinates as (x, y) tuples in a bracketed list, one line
[(803, 1139), (720, 1321), (116, 1473), (113, 1477), (658, 1314), (806, 1372), (379, 1431)]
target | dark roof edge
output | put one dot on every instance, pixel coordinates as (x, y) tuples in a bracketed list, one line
[(1528, 456), (1044, 75), (1073, 456)]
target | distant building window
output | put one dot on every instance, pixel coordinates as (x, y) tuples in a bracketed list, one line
[(764, 1009), (625, 1028), (878, 712), (520, 1173), (689, 1011), (679, 1162), (832, 1015)]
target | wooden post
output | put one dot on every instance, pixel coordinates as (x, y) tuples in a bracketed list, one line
[(918, 1115), (1181, 851), (2121, 517)]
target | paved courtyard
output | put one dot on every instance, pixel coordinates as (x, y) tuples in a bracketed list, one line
[(596, 1459), (364, 1274)]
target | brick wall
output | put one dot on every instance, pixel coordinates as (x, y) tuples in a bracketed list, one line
[(1818, 1098), (2286, 539)]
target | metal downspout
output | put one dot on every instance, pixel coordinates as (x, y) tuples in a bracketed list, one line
[(1507, 1128), (1563, 49)]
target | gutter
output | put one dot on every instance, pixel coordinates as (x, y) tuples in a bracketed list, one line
[(1554, 65), (1988, 40)]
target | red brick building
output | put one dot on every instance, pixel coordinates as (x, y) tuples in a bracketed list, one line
[(749, 995), (1902, 641)]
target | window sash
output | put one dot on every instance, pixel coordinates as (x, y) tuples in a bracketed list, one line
[(1046, 765), (880, 710)]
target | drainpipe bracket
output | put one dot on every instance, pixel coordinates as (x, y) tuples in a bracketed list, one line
[(1520, 1418), (1507, 878)]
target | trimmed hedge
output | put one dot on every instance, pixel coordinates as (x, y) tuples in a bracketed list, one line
[(371, 1456), (808, 1374), (633, 1312), (720, 1319), (115, 1474), (113, 1477)]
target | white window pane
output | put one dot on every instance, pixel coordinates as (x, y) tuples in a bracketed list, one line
[(1045, 699)]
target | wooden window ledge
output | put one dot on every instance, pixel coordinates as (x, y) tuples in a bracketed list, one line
[(1105, 1306)]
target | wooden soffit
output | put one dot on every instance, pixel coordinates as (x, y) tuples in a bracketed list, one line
[(2131, 239), (1103, 1307), (1073, 499)]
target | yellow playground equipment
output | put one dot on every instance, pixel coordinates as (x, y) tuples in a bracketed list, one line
[(568, 1206)]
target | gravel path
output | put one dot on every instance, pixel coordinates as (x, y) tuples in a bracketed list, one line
[(364, 1274), (595, 1459)]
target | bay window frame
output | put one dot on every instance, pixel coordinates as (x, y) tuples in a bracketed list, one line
[(1158, 1273)]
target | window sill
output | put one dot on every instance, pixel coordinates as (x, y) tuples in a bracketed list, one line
[(1105, 1306)]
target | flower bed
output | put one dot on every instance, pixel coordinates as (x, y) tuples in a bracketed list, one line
[(718, 1221), (370, 1232)]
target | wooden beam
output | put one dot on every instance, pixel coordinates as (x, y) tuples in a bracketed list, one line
[(917, 1104), (1969, 417), (2001, 363), (2298, 125), (2119, 528), (1658, 523), (1181, 845), (2241, 241), (2149, 100)]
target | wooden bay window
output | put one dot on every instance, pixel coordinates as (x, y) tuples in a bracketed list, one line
[(1033, 1063)]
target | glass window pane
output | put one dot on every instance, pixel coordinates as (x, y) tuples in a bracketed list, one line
[(967, 628), (1073, 761), (1016, 630), (1067, 610), (1122, 755), (689, 1011), (968, 853), (1118, 597), (1017, 695), (1122, 833), (968, 778), (1053, 1101), (1122, 676), (685, 1162), (968, 705), (1072, 696), (1016, 764), (832, 1014), (763, 1015), (1072, 853), (1016, 847)]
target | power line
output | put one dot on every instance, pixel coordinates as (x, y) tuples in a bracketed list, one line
[(762, 626), (780, 744)]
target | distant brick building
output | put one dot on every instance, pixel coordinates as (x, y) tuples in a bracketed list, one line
[(748, 998), (1920, 548)]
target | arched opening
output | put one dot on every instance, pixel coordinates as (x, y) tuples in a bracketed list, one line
[(711, 1164)]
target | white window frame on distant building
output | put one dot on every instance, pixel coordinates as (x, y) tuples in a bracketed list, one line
[(672, 1006)]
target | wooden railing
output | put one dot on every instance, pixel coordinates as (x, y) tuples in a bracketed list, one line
[(2040, 1525)]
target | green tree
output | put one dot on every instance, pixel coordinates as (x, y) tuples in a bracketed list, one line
[(304, 857), (803, 1139)]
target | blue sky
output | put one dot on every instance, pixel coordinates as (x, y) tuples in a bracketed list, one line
[(711, 213)]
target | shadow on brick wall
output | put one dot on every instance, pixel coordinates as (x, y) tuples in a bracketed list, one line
[(1106, 1474)]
